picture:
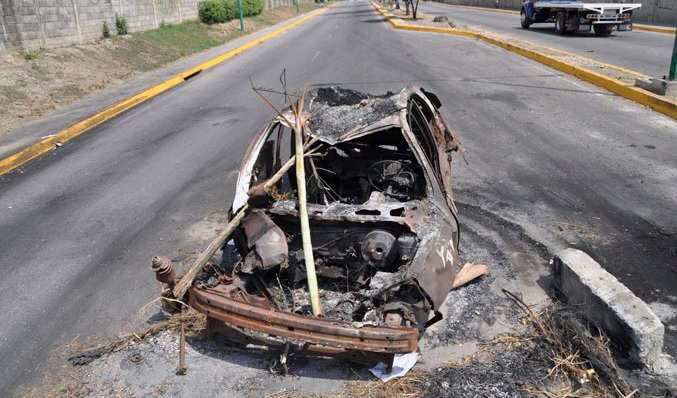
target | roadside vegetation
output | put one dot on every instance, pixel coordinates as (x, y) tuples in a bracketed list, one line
[(152, 49), (34, 84), (219, 11)]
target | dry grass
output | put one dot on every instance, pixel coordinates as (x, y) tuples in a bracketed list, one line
[(405, 387), (560, 358), (195, 321), (583, 355)]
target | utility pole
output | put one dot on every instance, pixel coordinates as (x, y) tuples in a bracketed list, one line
[(673, 65), (239, 6)]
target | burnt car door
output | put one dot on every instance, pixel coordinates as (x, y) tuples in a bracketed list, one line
[(437, 273)]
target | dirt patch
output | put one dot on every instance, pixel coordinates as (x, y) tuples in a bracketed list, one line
[(36, 85)]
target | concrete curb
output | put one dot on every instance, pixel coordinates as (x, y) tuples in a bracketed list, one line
[(607, 303), (657, 29), (12, 162), (643, 97)]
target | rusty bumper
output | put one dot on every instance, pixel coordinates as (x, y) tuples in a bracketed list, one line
[(253, 324)]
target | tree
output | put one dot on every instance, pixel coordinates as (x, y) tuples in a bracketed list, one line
[(414, 8)]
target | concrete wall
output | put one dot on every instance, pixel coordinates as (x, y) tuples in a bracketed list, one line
[(33, 24), (270, 4), (653, 11), (657, 11)]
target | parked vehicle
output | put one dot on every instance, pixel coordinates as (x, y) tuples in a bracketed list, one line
[(571, 16)]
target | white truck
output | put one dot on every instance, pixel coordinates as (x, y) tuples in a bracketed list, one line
[(571, 16)]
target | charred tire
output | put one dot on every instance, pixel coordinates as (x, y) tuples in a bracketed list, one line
[(524, 20), (602, 30), (560, 23)]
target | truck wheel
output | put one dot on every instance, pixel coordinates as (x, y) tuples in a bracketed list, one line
[(524, 19), (560, 23), (602, 30)]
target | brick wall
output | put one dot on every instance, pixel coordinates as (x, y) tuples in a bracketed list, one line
[(270, 4)]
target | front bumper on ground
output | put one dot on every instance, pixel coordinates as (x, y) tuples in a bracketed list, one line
[(310, 336)]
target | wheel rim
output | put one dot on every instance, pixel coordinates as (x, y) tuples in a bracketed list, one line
[(559, 23)]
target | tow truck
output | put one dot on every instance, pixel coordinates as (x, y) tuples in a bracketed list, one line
[(571, 16)]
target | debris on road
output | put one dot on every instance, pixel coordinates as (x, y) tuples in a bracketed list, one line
[(84, 357), (181, 369), (401, 365)]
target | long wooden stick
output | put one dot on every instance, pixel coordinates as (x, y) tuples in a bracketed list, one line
[(187, 280)]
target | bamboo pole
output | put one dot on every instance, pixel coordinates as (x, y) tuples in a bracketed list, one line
[(305, 225), (297, 126), (311, 275)]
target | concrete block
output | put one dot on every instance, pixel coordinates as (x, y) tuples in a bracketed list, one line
[(608, 304), (658, 86)]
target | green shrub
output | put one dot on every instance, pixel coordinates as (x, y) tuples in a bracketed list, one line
[(105, 30), (252, 7), (232, 12), (212, 11), (219, 11), (121, 24), (29, 57)]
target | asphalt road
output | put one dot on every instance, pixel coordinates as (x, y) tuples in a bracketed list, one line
[(573, 165), (641, 51)]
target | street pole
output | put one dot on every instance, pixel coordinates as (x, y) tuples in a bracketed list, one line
[(673, 65), (297, 6), (239, 6)]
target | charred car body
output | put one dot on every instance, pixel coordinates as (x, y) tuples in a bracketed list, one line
[(383, 228)]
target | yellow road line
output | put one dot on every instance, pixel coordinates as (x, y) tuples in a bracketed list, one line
[(12, 162), (656, 102)]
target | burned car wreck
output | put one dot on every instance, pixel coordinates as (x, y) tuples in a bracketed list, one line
[(382, 225)]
